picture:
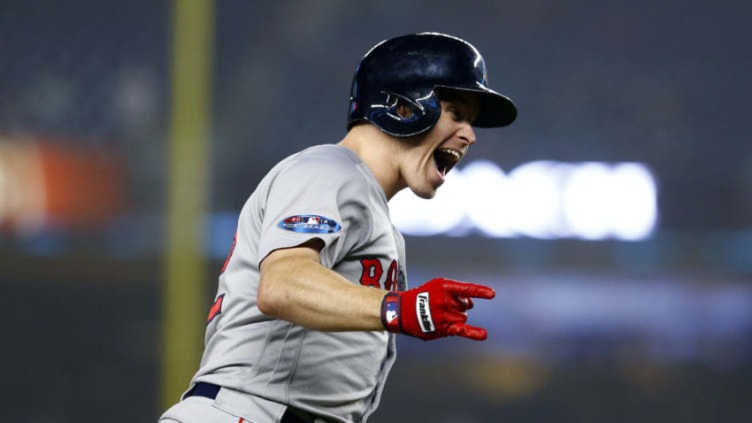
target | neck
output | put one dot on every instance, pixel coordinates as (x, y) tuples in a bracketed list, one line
[(379, 151)]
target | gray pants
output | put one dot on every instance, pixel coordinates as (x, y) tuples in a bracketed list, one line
[(198, 410)]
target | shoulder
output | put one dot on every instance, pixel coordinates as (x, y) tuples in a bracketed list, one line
[(327, 160), (327, 154)]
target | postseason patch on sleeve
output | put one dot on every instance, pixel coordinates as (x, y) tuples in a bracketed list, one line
[(310, 224)]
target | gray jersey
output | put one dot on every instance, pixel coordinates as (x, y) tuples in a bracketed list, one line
[(323, 192)]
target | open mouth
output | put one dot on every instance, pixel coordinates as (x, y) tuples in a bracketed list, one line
[(446, 159)]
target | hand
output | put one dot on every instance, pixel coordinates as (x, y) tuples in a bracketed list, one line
[(434, 310)]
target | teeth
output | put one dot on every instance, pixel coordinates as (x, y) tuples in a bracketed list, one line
[(454, 153)]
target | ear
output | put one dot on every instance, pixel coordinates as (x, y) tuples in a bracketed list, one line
[(403, 108), (404, 111)]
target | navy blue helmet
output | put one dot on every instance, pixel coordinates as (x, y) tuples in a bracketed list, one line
[(412, 70)]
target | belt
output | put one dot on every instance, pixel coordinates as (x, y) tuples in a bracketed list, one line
[(209, 390)]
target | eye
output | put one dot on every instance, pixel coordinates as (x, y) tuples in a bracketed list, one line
[(459, 110), (457, 114)]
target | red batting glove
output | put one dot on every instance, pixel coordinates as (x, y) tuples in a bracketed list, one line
[(434, 310)]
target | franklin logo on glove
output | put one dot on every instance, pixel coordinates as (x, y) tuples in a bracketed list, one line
[(426, 323)]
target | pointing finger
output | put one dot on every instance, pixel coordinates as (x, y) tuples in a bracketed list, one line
[(465, 289)]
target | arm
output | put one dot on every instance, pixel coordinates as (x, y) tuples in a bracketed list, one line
[(294, 286)]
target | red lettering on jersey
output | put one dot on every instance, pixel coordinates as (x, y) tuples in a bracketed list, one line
[(232, 249), (391, 277), (215, 309), (372, 271)]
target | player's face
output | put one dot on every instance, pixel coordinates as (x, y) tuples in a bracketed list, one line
[(432, 156)]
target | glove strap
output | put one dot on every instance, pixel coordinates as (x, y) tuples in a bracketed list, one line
[(390, 312)]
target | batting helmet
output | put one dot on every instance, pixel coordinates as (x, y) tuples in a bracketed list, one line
[(409, 70)]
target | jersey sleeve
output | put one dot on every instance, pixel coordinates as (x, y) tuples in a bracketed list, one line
[(311, 199)]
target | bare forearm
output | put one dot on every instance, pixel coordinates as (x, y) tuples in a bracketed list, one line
[(298, 289)]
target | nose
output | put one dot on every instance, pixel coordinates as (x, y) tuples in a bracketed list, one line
[(467, 133)]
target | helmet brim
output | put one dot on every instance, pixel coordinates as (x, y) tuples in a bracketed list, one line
[(496, 110)]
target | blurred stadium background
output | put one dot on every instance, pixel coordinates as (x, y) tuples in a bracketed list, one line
[(592, 323)]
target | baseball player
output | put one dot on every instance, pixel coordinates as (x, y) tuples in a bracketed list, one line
[(314, 288)]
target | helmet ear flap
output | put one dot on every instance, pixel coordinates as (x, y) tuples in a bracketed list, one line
[(403, 108), (402, 116)]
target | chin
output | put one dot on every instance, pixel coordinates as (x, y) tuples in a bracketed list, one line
[(426, 194)]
